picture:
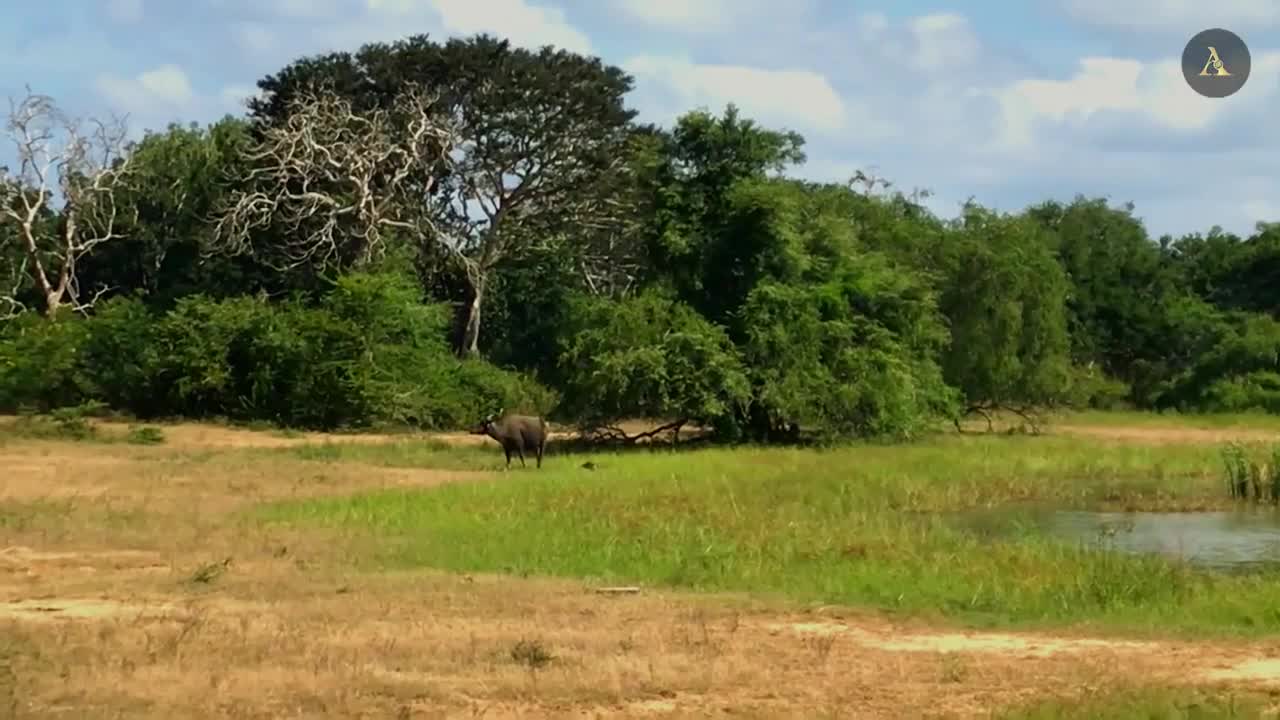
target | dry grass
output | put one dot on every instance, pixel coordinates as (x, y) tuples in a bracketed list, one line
[(215, 617)]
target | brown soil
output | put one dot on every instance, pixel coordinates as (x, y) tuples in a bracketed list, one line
[(1166, 435), (125, 591)]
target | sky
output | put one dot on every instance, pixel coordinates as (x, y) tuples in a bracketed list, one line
[(1010, 103)]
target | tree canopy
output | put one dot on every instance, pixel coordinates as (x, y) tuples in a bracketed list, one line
[(326, 260)]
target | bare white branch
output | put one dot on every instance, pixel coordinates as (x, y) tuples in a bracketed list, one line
[(59, 158), (331, 182), (9, 301)]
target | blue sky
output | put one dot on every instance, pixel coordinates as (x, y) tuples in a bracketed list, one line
[(1010, 103)]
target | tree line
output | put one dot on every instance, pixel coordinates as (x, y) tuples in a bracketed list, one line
[(422, 232)]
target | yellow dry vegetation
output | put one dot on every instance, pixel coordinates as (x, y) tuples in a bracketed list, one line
[(129, 588)]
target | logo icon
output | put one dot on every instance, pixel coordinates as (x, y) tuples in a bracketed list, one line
[(1216, 63)]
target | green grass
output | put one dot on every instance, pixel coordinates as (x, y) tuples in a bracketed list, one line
[(434, 454), (1145, 704), (853, 525)]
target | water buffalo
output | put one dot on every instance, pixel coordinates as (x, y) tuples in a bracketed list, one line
[(515, 433)]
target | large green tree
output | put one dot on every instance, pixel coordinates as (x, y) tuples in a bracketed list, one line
[(1004, 297), (535, 133), (691, 246), (837, 338), (1120, 283)]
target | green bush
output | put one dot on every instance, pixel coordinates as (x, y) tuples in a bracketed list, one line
[(145, 435), (1091, 388), (369, 353), (118, 356), (40, 362), (1236, 369), (649, 356)]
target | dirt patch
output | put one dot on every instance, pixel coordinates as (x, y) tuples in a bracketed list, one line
[(1267, 671), (1167, 435), (123, 478), (971, 642), (198, 435), (52, 609), (24, 557)]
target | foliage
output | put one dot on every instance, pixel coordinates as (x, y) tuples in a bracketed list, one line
[(1119, 280), (39, 362), (179, 176), (369, 353), (535, 132), (690, 247), (852, 356), (626, 267), (1237, 367), (1004, 298), (648, 356)]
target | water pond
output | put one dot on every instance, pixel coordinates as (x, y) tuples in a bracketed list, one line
[(1231, 541)]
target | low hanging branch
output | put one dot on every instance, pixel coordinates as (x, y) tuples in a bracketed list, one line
[(332, 181), (58, 155)]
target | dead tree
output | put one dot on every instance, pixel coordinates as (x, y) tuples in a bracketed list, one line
[(333, 183), (59, 158)]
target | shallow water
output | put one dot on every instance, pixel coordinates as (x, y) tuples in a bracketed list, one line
[(1236, 541)]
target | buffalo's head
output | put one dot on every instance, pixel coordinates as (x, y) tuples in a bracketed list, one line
[(486, 424)]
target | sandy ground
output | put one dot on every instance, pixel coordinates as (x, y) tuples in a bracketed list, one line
[(126, 592), (1166, 436)]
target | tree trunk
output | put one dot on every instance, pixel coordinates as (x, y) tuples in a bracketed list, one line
[(51, 303), (471, 332), (52, 296)]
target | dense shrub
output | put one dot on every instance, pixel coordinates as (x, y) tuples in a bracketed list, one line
[(648, 356), (40, 364), (855, 355), (1236, 368), (369, 353)]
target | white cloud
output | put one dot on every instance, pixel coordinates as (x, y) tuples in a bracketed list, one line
[(1149, 94), (935, 44), (295, 28), (943, 40), (798, 98), (165, 85), (125, 11), (678, 14), (1176, 16), (705, 16), (522, 22), (165, 94)]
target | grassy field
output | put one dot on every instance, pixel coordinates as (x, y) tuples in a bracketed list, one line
[(299, 575), (866, 525)]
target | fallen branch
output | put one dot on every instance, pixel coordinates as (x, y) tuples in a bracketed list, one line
[(631, 590), (1031, 415), (617, 434)]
